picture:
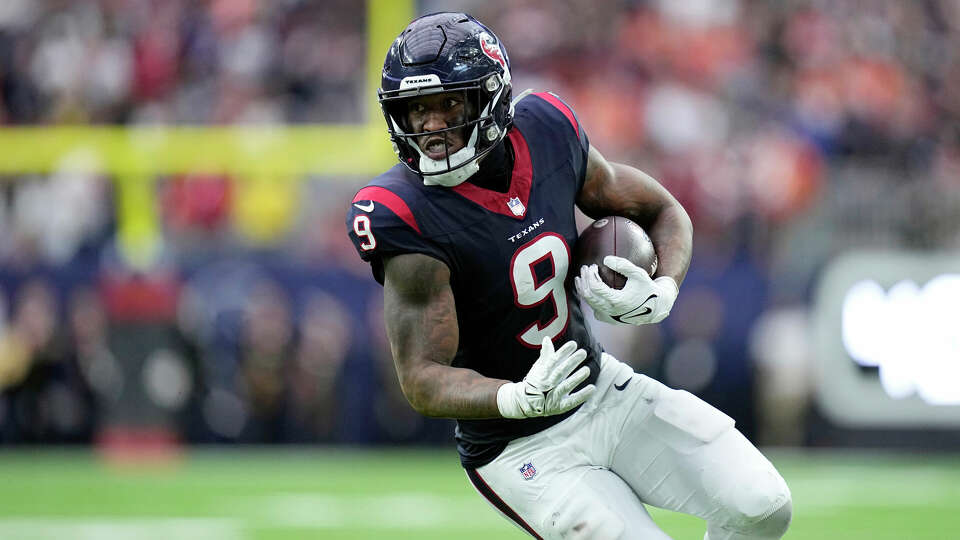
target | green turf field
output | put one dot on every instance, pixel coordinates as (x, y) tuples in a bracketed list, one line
[(358, 494)]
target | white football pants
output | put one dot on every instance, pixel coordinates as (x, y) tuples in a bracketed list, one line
[(635, 442)]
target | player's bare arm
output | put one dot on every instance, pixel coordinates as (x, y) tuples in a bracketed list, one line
[(622, 190), (421, 320)]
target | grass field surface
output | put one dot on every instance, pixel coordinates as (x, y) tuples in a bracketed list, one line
[(342, 494)]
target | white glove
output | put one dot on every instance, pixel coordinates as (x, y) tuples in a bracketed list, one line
[(546, 389), (642, 300)]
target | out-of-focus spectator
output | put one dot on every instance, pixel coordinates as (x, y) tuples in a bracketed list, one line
[(265, 209), (30, 337), (88, 327), (266, 346), (780, 344), (46, 398), (316, 369), (100, 61), (52, 218), (195, 203)]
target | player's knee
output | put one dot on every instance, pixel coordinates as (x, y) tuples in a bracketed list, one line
[(775, 525), (760, 505)]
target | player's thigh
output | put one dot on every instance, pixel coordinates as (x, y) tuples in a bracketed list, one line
[(582, 503), (547, 485), (525, 474), (685, 455)]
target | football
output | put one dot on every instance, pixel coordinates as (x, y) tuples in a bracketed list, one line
[(614, 235)]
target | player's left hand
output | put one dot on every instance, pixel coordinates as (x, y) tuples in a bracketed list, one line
[(642, 300), (548, 387)]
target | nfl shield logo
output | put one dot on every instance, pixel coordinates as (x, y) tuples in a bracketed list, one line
[(528, 471), (516, 206)]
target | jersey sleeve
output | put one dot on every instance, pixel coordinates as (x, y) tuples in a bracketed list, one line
[(381, 224), (568, 125)]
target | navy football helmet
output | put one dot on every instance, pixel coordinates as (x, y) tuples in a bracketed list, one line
[(444, 52)]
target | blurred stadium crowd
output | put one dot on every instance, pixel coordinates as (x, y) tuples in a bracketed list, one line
[(792, 132)]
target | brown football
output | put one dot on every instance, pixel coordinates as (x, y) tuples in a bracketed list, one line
[(614, 235)]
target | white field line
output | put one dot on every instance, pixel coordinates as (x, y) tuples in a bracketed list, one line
[(390, 511), (103, 528)]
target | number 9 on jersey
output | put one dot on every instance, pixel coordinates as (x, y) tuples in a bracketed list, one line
[(530, 291)]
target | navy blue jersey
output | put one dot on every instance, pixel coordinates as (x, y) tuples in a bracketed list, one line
[(508, 254)]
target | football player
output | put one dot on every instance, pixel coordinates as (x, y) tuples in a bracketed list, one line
[(471, 235)]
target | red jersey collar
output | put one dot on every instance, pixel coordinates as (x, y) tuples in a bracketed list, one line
[(514, 202)]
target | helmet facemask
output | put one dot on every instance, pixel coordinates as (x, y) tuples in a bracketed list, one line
[(487, 107)]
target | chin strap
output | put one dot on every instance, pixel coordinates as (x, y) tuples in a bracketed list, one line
[(449, 178), (456, 176)]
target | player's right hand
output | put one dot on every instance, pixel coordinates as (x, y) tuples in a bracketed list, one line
[(642, 300), (546, 389)]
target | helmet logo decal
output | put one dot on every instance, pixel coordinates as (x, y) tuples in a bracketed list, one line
[(419, 80), (491, 48)]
